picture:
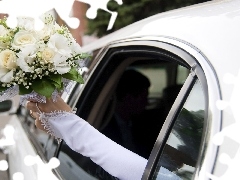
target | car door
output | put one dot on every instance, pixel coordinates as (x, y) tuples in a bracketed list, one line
[(174, 121)]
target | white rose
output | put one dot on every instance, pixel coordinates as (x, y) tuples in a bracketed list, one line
[(8, 59), (60, 44), (60, 64), (76, 48), (7, 64), (5, 75), (23, 38), (45, 33), (48, 55), (26, 23), (26, 56)]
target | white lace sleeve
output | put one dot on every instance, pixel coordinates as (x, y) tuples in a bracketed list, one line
[(85, 139)]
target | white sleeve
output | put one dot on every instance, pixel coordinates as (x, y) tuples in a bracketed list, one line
[(80, 136)]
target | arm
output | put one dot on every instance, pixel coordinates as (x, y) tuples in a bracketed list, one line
[(80, 136), (85, 139), (88, 141)]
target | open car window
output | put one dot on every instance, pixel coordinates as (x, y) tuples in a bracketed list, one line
[(98, 103), (180, 153)]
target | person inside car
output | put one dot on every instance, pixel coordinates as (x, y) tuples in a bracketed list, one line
[(131, 99)]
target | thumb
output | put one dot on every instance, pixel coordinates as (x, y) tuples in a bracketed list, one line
[(39, 124)]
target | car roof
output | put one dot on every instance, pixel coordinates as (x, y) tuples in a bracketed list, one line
[(212, 27)]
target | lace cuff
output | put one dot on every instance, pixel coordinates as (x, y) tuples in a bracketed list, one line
[(46, 118)]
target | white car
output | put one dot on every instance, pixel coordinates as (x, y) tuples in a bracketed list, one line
[(191, 123)]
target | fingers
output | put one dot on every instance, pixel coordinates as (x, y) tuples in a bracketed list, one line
[(25, 103), (34, 115), (49, 106), (39, 125), (36, 104), (33, 106), (31, 114)]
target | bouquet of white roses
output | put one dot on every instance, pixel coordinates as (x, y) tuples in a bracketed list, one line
[(39, 62)]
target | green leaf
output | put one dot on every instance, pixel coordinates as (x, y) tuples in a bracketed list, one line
[(56, 80), (2, 89), (74, 75), (60, 87), (85, 55), (23, 90), (44, 87)]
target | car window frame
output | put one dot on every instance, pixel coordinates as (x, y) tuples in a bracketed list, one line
[(169, 123), (196, 60)]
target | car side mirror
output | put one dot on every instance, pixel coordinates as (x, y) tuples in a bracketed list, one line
[(5, 105)]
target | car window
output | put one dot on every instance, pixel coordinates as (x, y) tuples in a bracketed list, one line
[(98, 103), (157, 84), (182, 74), (181, 150)]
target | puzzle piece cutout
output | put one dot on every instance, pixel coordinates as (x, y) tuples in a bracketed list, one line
[(234, 104), (18, 176), (7, 138), (63, 8), (6, 141), (233, 167), (232, 131), (101, 4), (44, 170), (37, 8), (3, 165)]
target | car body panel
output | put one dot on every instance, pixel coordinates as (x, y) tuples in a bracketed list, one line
[(212, 30), (205, 20), (19, 151)]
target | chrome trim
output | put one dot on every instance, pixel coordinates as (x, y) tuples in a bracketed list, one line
[(77, 94), (167, 126)]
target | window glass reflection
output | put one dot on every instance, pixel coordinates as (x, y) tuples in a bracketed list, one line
[(180, 153)]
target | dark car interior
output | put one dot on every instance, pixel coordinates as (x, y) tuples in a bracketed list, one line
[(166, 79)]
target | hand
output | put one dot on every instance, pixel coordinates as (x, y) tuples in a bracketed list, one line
[(48, 107)]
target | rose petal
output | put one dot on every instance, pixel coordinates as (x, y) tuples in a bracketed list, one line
[(7, 77)]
